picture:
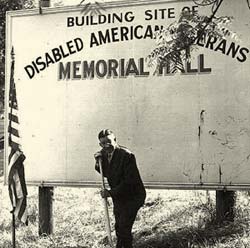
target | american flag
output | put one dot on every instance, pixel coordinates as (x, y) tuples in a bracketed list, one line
[(16, 178)]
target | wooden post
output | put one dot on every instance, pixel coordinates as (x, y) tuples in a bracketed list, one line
[(225, 205), (46, 210)]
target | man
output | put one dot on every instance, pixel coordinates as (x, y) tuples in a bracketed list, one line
[(126, 188)]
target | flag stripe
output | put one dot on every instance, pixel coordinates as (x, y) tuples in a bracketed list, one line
[(14, 125), (13, 131), (14, 142), (21, 208), (13, 106), (16, 160), (12, 152), (13, 118), (11, 193), (14, 112)]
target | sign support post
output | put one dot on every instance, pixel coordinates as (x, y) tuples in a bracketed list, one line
[(46, 210), (225, 205)]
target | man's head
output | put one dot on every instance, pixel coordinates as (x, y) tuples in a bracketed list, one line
[(107, 140)]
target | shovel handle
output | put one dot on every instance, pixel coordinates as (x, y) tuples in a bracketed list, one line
[(105, 203)]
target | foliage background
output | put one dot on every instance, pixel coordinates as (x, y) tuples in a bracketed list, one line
[(7, 5)]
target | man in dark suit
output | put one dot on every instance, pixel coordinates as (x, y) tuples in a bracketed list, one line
[(126, 187)]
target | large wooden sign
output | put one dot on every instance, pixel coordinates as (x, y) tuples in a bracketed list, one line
[(77, 73)]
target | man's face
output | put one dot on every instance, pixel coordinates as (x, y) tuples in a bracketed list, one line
[(108, 143)]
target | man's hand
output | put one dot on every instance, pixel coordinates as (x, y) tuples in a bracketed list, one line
[(97, 156), (105, 193)]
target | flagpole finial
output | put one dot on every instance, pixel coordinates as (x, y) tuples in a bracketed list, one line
[(12, 53)]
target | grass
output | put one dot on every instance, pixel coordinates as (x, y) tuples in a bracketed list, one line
[(169, 219)]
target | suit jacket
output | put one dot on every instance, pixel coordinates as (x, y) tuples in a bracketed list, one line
[(123, 176)]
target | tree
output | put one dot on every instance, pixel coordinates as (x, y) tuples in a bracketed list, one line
[(7, 5), (176, 41)]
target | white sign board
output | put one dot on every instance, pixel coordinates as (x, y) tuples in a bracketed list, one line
[(78, 73)]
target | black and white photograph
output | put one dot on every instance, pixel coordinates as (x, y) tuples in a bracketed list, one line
[(124, 123)]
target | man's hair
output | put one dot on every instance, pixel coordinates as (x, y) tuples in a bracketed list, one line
[(104, 133)]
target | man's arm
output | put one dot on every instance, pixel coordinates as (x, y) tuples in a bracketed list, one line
[(131, 177), (98, 157)]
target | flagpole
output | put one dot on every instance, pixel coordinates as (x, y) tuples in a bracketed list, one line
[(13, 228), (14, 208), (105, 202)]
